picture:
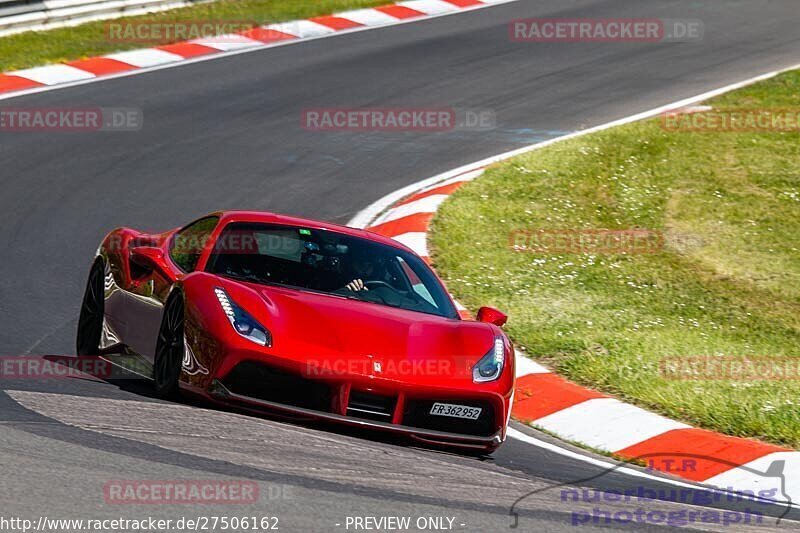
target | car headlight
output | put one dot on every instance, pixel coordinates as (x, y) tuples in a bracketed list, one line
[(491, 365), (245, 325)]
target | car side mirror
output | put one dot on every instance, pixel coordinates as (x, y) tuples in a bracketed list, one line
[(492, 316)]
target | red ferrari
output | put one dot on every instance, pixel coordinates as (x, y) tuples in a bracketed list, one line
[(274, 313)]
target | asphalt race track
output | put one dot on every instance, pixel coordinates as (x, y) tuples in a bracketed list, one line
[(226, 133)]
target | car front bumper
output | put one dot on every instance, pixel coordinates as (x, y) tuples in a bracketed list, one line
[(219, 392)]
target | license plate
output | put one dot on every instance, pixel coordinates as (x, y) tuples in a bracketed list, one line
[(456, 411)]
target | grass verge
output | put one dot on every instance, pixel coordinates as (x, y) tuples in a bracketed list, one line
[(32, 49), (723, 287)]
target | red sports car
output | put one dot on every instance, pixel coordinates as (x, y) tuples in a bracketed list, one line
[(315, 320)]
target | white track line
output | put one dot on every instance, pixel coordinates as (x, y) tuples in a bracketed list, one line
[(365, 217)]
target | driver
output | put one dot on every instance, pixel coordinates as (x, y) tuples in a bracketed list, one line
[(363, 269)]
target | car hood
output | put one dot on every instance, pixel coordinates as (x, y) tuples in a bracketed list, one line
[(341, 335)]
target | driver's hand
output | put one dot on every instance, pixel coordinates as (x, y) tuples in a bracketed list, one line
[(356, 285)]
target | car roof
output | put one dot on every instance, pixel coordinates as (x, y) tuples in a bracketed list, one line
[(266, 217)]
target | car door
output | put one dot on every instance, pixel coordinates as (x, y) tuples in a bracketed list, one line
[(157, 273)]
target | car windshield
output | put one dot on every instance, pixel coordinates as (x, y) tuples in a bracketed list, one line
[(329, 262)]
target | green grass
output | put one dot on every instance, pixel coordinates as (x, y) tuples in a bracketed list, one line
[(607, 321), (31, 49)]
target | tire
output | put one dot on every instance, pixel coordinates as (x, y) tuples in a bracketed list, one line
[(169, 349), (90, 321)]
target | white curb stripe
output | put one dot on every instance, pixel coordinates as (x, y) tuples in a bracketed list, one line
[(417, 241), (368, 17), (429, 204), (147, 57), (429, 7), (53, 74), (301, 28), (525, 365), (227, 42), (607, 424)]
